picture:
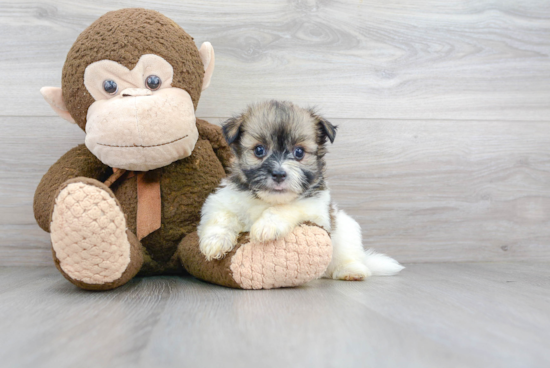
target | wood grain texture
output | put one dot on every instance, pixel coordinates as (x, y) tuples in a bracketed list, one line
[(431, 315), (444, 110), (422, 191), (446, 190), (357, 59)]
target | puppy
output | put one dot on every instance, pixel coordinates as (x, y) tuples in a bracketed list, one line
[(277, 182)]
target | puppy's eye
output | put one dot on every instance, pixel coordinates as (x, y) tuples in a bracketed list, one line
[(110, 87), (299, 153), (259, 151), (153, 82)]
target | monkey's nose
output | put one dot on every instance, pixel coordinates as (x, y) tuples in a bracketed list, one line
[(278, 176), (135, 92)]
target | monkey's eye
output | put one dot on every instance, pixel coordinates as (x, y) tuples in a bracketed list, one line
[(110, 87), (299, 153), (153, 82), (259, 151)]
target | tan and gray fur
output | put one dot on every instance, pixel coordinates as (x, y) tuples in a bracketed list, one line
[(280, 127), (277, 182)]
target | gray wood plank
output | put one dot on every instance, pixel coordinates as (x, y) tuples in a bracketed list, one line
[(28, 147), (356, 59), (422, 191), (446, 190), (431, 315), (503, 303)]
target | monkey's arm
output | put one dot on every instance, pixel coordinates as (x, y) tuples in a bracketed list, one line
[(79, 161), (213, 133)]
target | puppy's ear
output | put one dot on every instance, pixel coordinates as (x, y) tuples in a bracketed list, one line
[(325, 128), (232, 129)]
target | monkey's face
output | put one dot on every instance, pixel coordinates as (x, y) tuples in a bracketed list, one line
[(134, 95), (138, 120)]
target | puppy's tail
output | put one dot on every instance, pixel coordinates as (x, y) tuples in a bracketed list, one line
[(380, 264), (347, 236)]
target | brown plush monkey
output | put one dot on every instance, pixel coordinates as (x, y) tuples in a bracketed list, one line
[(128, 201)]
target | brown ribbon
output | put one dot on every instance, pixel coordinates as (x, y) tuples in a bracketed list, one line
[(149, 209)]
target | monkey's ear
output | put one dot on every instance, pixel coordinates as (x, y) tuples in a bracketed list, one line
[(325, 128), (207, 56), (231, 129), (54, 96)]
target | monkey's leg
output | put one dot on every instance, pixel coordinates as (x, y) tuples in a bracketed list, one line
[(90, 242), (301, 256)]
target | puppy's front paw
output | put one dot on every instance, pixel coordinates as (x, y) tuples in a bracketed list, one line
[(352, 271), (216, 244), (268, 229)]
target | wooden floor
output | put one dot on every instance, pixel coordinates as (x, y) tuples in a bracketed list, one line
[(431, 315)]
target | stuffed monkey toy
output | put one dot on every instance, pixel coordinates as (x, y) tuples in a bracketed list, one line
[(128, 201)]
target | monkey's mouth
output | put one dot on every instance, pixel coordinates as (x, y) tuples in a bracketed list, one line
[(140, 145)]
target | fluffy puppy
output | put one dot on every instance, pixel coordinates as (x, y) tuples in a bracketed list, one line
[(277, 182)]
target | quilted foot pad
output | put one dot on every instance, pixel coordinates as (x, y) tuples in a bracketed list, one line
[(301, 256), (88, 234)]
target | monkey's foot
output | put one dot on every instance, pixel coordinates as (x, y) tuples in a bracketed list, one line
[(91, 245), (301, 256)]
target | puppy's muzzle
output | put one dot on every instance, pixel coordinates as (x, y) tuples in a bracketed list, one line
[(278, 176)]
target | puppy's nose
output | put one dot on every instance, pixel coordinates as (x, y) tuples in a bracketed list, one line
[(278, 176)]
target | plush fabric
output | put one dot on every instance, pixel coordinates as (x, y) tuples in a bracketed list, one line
[(216, 271), (135, 128), (301, 256), (94, 208), (149, 206), (184, 184), (136, 261), (54, 96), (124, 36), (78, 162), (84, 253), (170, 129), (207, 56), (96, 73)]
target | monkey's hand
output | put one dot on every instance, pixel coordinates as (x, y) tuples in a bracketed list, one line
[(271, 226)]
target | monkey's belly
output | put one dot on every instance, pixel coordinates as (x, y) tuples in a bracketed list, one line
[(185, 185)]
